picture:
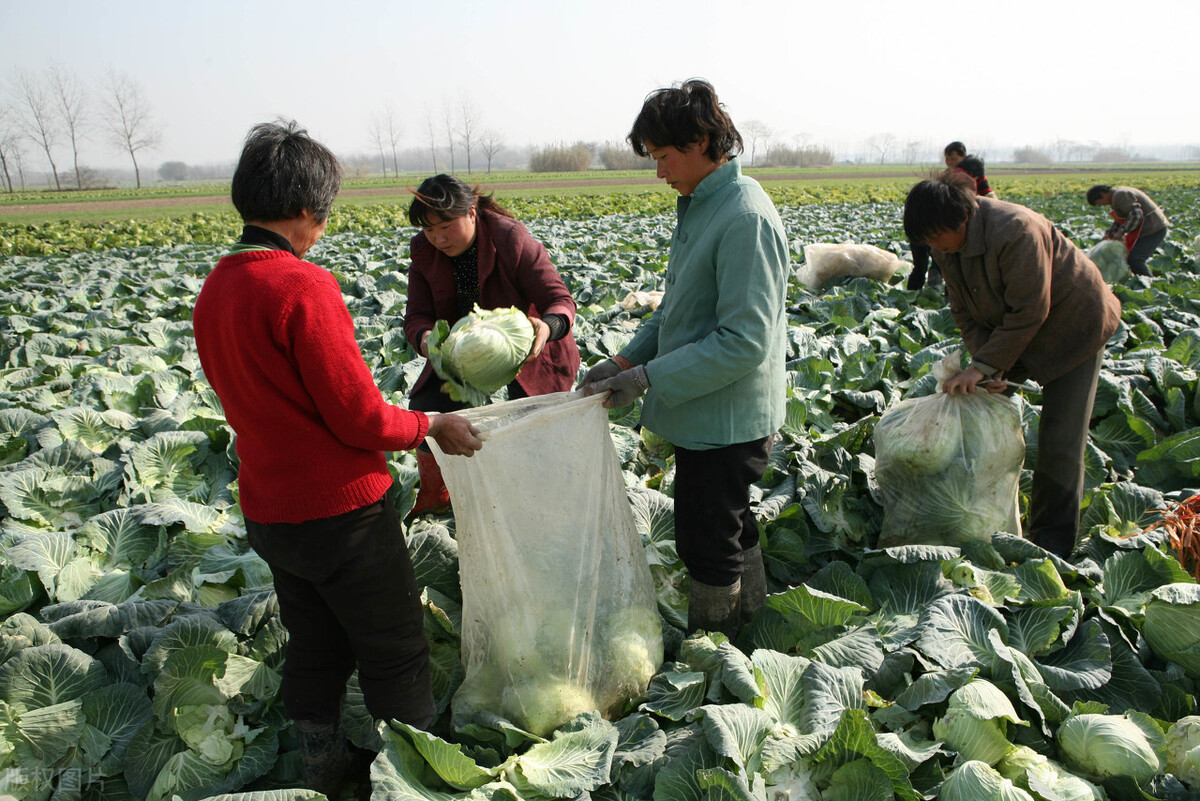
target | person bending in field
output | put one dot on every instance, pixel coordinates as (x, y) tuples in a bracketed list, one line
[(471, 251), (1136, 219), (957, 161), (277, 344), (1029, 303), (710, 359)]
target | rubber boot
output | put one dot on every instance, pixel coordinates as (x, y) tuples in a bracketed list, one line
[(432, 496), (715, 608), (325, 756), (754, 583)]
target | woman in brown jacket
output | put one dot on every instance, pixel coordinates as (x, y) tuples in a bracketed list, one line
[(1029, 303)]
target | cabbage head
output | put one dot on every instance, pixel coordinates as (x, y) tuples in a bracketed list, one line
[(978, 781), (974, 723), (1183, 750), (1172, 625), (211, 731), (1044, 777), (542, 704), (483, 352), (1109, 256), (1102, 746)]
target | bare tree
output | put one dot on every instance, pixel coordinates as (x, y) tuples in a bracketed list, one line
[(491, 143), (431, 128), (448, 127), (378, 137), (756, 131), (38, 120), (70, 104), (385, 135), (8, 143), (881, 143), (393, 136), (126, 119), (468, 119), (911, 148)]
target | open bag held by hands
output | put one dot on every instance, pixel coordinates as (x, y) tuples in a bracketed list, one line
[(559, 610)]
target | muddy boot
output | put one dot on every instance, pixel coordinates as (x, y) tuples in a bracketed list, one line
[(325, 755), (432, 496), (754, 582), (715, 608)]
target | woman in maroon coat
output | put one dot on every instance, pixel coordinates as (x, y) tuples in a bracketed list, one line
[(471, 251)]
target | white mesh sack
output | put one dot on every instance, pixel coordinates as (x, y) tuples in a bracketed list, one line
[(559, 610)]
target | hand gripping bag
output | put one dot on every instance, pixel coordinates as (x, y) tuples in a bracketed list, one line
[(949, 468), (559, 611)]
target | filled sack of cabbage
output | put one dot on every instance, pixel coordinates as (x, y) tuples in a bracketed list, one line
[(948, 468), (559, 614), (483, 352), (1109, 256), (824, 262)]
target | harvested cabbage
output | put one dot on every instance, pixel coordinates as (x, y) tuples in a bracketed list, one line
[(1109, 256), (949, 469), (483, 352)]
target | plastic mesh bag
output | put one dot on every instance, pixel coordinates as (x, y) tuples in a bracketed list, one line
[(1109, 256), (559, 611), (949, 468), (823, 262)]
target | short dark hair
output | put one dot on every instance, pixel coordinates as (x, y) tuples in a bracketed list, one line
[(935, 205), (956, 147), (282, 172), (449, 198), (1096, 192), (681, 116)]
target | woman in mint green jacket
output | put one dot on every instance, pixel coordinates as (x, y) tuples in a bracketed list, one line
[(710, 360)]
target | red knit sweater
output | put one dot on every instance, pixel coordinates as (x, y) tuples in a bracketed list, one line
[(277, 345)]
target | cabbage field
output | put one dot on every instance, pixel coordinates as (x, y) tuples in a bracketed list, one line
[(141, 645)]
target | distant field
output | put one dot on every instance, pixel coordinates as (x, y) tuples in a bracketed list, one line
[(158, 202)]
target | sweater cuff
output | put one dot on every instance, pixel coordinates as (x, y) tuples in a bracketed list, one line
[(422, 427), (986, 369), (621, 361)]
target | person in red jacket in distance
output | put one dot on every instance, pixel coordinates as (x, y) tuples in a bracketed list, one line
[(277, 345)]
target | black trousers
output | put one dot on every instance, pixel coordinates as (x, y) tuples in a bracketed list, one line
[(1142, 250), (713, 521), (348, 597), (1058, 477)]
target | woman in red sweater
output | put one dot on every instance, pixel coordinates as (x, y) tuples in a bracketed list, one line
[(277, 344), (471, 251)]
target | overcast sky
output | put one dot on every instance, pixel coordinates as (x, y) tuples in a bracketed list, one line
[(994, 74)]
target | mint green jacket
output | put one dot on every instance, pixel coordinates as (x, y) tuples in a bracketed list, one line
[(714, 349)]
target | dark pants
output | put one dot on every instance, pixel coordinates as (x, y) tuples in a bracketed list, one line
[(713, 521), (1142, 250), (348, 597), (1058, 477)]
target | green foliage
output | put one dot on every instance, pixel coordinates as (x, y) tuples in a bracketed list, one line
[(141, 645)]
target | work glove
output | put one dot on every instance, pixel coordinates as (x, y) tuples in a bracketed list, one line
[(605, 369), (626, 386)]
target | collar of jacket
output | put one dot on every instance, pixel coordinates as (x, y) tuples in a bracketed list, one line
[(975, 245), (713, 183)]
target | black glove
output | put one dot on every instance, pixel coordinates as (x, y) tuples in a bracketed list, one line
[(605, 369), (626, 386)]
